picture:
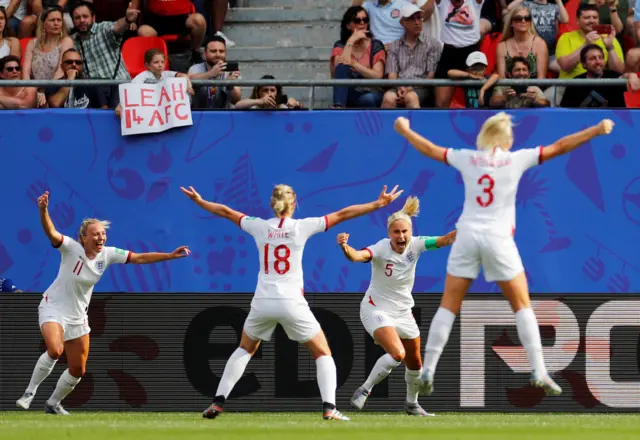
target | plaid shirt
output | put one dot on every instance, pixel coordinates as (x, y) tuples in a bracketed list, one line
[(413, 63), (101, 52)]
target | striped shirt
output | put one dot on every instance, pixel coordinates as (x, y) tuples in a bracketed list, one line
[(416, 62), (101, 52)]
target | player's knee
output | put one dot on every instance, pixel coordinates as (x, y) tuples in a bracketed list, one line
[(77, 370), (55, 351), (398, 355)]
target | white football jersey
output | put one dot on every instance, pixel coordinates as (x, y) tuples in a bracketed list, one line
[(490, 185), (70, 292), (393, 274), (280, 243)]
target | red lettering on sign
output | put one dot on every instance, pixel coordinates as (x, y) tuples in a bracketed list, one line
[(146, 95), (183, 116)]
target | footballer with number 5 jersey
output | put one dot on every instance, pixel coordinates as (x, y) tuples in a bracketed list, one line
[(485, 232), (63, 310), (385, 310), (279, 293)]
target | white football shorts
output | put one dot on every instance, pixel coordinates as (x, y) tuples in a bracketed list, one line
[(71, 331), (403, 321), (498, 256), (294, 316)]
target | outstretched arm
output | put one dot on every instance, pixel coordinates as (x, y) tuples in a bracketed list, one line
[(446, 240), (357, 210), (421, 144), (156, 257), (47, 225), (214, 208), (351, 253), (573, 141)]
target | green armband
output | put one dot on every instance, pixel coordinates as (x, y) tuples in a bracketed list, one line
[(430, 243)]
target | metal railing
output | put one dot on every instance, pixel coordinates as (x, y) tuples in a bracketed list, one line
[(312, 84)]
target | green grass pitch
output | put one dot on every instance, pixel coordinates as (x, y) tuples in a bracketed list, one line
[(34, 425)]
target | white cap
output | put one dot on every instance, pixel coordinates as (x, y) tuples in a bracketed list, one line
[(408, 9), (477, 57)]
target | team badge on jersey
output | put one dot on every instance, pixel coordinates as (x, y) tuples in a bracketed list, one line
[(100, 266), (410, 257)]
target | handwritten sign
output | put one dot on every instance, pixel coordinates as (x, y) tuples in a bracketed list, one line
[(152, 108)]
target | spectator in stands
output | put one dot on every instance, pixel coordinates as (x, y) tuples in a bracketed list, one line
[(356, 56), (268, 97), (571, 43), (519, 38), (546, 15), (214, 67), (414, 56), (100, 45), (7, 286), (461, 36), (592, 59), (511, 97), (636, 21), (37, 6), (8, 45), (18, 21), (615, 13), (163, 17), (75, 96), (489, 17), (12, 98), (474, 97), (632, 68), (385, 16), (214, 11), (43, 53)]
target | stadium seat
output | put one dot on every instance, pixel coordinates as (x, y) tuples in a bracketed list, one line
[(23, 46), (488, 46), (632, 99), (133, 52)]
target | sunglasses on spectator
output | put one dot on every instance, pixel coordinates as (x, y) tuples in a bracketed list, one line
[(13, 68), (522, 18), (69, 62), (358, 20)]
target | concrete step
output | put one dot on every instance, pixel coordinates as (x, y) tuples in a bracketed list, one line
[(251, 54), (320, 4), (308, 34), (281, 15)]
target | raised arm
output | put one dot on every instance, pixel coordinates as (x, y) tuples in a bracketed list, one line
[(446, 240), (351, 253), (573, 141), (156, 257), (47, 225), (214, 208), (421, 144), (354, 211)]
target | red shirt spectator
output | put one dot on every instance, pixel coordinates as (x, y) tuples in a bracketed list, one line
[(170, 7)]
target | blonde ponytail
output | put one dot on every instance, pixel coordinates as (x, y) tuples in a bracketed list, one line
[(282, 200), (410, 209)]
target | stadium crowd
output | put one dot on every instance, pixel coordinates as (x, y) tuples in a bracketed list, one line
[(395, 39)]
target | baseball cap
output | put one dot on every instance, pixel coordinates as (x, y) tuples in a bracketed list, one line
[(477, 57), (6, 285), (408, 9)]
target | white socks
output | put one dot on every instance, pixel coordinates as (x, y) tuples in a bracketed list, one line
[(65, 385), (412, 377), (42, 370), (381, 369), (439, 331), (233, 371), (327, 379), (529, 334)]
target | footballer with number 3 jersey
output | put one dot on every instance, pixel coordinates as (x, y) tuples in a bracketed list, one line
[(279, 296), (63, 310), (385, 310), (486, 229)]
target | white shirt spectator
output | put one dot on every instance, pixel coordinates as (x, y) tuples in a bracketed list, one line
[(20, 12), (385, 20), (147, 77), (460, 25)]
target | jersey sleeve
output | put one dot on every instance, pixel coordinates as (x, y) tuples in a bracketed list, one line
[(426, 243), (69, 244), (454, 157), (313, 225), (117, 256), (377, 250), (527, 158), (252, 225)]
